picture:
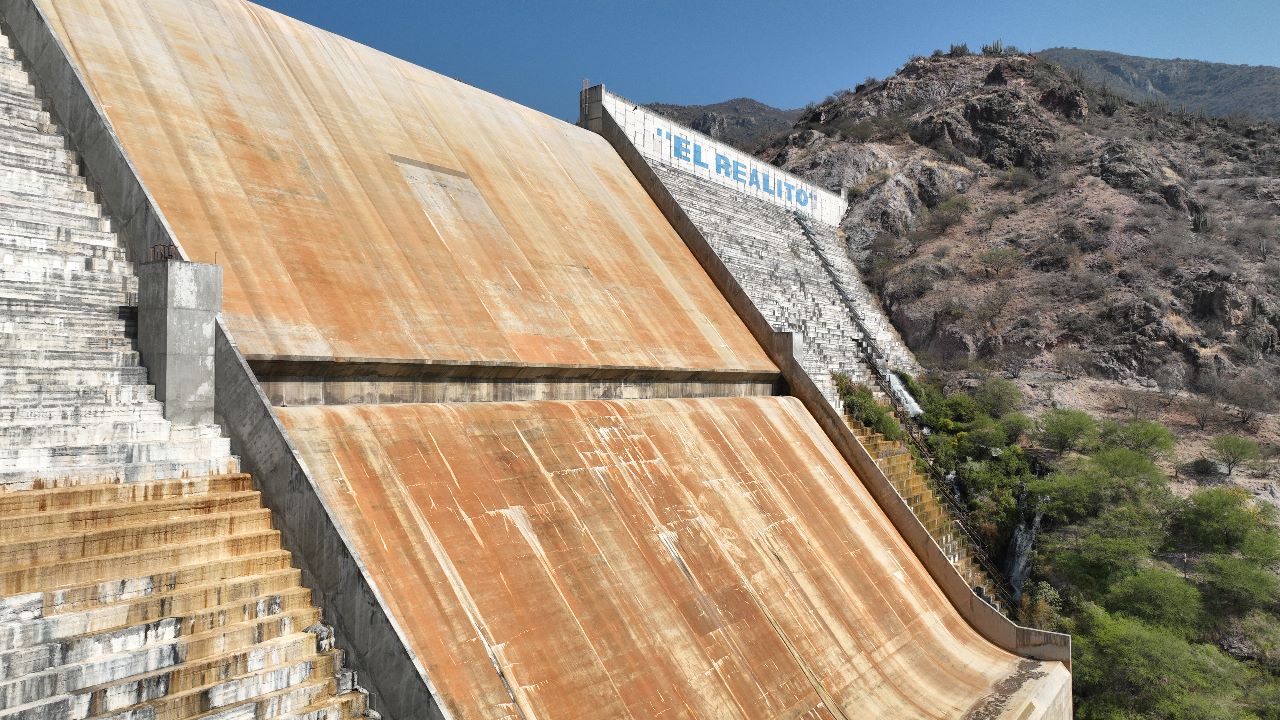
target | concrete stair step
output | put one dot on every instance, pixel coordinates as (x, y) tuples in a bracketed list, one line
[(25, 135), (194, 610), (69, 293), (98, 325), (39, 258), (56, 217), (57, 183), (117, 515), (66, 342), (346, 706), (51, 310), (111, 689), (145, 471), (53, 236), (57, 435), (89, 496), (17, 202), (73, 376), (139, 563), (18, 158), (220, 681), (80, 414), (78, 281), (65, 458), (54, 359), (188, 590), (36, 151), (293, 702), (36, 398), (71, 546), (23, 110)]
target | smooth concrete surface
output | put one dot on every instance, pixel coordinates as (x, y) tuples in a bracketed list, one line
[(340, 187), (787, 353), (655, 558), (178, 304)]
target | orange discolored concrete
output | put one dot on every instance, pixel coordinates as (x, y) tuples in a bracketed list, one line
[(653, 558), (363, 207)]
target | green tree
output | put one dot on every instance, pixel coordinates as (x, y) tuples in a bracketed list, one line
[(1158, 597), (1231, 450), (1237, 585), (997, 397), (1145, 436), (1216, 519), (1127, 669), (1062, 430)]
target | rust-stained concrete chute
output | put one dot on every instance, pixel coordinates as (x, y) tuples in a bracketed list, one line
[(699, 550)]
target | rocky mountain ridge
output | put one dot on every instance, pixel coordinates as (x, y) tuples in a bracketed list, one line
[(1009, 214), (742, 122), (1216, 89)]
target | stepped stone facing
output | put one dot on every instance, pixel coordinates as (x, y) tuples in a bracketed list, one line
[(696, 550), (794, 265), (140, 575)]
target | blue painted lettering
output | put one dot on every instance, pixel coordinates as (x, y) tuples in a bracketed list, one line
[(697, 156), (802, 197), (789, 188), (755, 179), (681, 148), (764, 184), (723, 166), (739, 171)]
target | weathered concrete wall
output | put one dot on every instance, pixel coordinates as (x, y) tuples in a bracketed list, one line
[(178, 304), (993, 626), (513, 236), (653, 558)]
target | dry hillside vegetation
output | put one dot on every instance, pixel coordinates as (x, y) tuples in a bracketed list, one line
[(1013, 218)]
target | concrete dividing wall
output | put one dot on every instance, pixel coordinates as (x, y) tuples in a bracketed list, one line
[(993, 626)]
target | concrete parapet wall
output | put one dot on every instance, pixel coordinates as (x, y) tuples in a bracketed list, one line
[(1027, 642)]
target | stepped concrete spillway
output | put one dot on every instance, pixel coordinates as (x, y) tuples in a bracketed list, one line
[(543, 466), (140, 576), (790, 260)]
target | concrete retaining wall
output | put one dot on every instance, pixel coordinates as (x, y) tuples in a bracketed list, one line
[(1026, 642)]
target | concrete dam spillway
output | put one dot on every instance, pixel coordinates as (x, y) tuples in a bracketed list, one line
[(532, 454)]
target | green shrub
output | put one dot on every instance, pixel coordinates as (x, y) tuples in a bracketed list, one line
[(1237, 585), (1232, 450), (959, 50), (860, 404), (1062, 430), (1219, 519), (1144, 436), (1126, 669), (1158, 597)]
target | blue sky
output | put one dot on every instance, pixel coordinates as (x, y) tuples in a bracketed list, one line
[(783, 53)]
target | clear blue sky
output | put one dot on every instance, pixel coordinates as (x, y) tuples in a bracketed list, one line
[(537, 52)]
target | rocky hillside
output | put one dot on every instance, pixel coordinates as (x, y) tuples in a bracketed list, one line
[(1013, 218), (1215, 89), (742, 122)]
